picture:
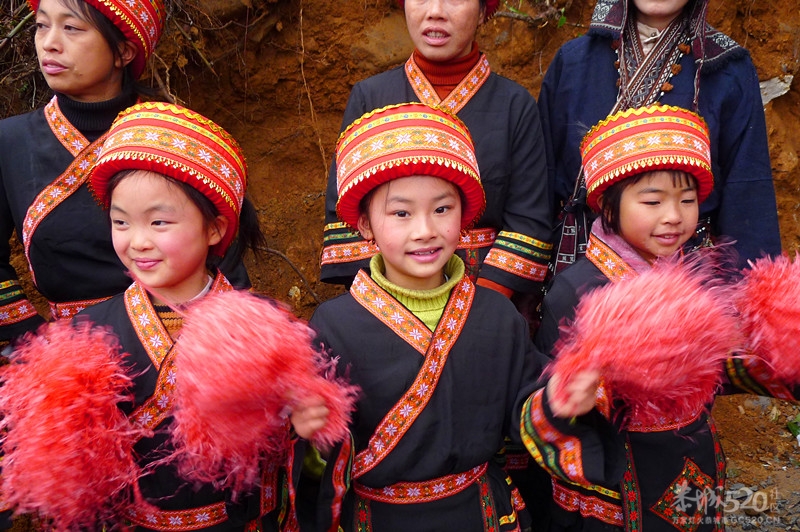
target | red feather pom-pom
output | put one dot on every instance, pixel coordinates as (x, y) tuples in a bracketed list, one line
[(768, 301), (242, 363), (658, 341), (69, 448)]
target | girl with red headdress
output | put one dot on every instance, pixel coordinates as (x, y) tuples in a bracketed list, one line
[(642, 342), (508, 248), (443, 364), (91, 53), (217, 377)]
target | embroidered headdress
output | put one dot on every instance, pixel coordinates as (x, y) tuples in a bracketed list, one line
[(181, 144), (141, 21), (642, 140), (406, 140), (491, 8)]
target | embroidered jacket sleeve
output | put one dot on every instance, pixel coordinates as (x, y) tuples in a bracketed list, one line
[(748, 373)]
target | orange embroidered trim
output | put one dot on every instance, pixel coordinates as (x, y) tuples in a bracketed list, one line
[(607, 261), (667, 423), (16, 312), (178, 520), (569, 447), (587, 505), (391, 312), (425, 491), (403, 414), (458, 97), (343, 465), (477, 238), (160, 349), (350, 252), (515, 264), (61, 311), (68, 182)]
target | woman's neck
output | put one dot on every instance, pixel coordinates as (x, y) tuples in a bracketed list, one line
[(445, 76), (95, 118)]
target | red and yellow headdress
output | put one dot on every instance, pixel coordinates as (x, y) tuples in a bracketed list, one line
[(141, 21), (656, 137), (181, 144), (406, 140)]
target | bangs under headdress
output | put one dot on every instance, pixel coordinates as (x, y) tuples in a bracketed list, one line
[(182, 144)]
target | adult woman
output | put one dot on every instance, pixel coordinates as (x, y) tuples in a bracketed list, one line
[(638, 52), (509, 248), (90, 53)]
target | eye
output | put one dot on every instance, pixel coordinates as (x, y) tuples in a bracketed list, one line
[(401, 214), (443, 209), (116, 223), (159, 223)]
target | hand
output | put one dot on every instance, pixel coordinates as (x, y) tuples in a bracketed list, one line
[(308, 417), (576, 396)]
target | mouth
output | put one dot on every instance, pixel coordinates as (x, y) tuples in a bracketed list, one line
[(145, 264), (52, 67), (435, 35), (424, 252)]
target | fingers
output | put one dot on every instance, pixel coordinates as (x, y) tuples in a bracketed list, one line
[(574, 398)]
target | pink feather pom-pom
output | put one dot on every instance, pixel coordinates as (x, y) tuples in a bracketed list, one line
[(69, 448), (658, 340), (768, 301), (242, 364)]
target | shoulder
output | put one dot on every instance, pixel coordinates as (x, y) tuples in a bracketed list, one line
[(332, 310), (106, 312), (12, 126), (385, 79)]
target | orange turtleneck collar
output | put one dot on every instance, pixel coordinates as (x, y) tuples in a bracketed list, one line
[(445, 76)]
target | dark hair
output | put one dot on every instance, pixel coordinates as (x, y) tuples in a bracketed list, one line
[(249, 236), (612, 196), (115, 40)]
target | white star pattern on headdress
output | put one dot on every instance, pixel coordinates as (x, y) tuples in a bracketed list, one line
[(151, 135), (678, 139), (179, 144), (205, 155), (431, 138)]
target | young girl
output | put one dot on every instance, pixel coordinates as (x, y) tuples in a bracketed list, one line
[(508, 248), (91, 52), (442, 364), (174, 183), (647, 171), (645, 52)]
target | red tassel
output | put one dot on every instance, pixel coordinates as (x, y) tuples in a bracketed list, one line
[(242, 364), (768, 300), (658, 340), (69, 448)]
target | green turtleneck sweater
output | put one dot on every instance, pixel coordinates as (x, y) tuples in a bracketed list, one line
[(427, 305)]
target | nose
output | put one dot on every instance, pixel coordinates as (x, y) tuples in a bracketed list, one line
[(49, 38), (672, 212), (423, 228), (139, 239), (436, 8)]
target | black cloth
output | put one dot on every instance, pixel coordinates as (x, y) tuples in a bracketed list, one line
[(491, 369)]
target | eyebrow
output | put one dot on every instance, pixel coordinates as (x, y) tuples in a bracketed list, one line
[(155, 208)]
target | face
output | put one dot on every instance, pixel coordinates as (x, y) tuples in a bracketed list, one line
[(443, 30), (658, 214), (160, 235), (416, 223), (658, 13), (74, 57)]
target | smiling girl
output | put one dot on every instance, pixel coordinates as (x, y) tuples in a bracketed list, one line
[(443, 364)]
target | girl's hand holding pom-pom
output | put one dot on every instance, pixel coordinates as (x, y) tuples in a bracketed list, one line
[(575, 396), (309, 417)]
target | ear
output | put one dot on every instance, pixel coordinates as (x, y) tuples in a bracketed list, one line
[(217, 230), (127, 53), (364, 227)]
